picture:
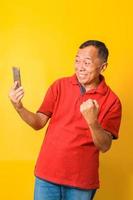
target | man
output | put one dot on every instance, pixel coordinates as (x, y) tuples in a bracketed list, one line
[(84, 115)]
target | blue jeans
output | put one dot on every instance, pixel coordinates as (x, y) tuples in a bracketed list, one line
[(45, 190)]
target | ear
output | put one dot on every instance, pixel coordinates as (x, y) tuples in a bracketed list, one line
[(104, 66)]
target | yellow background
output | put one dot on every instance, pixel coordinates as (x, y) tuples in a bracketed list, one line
[(42, 37)]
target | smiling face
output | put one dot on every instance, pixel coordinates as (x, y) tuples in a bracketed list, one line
[(88, 65)]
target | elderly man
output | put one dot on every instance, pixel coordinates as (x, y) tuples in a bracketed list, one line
[(84, 116)]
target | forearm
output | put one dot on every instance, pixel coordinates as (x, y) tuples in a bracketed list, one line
[(30, 118), (102, 139), (35, 120)]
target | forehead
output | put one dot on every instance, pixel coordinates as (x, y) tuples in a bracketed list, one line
[(88, 52)]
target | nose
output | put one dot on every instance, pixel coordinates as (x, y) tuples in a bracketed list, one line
[(81, 66)]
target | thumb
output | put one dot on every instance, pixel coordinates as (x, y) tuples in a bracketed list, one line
[(96, 104), (14, 85)]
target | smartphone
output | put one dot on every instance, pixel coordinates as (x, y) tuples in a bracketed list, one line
[(16, 76)]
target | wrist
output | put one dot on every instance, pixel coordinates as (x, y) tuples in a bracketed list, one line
[(94, 124), (18, 106)]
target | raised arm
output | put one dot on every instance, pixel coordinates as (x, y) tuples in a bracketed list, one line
[(102, 139), (35, 120)]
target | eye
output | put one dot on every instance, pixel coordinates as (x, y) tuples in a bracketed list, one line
[(87, 63), (77, 61)]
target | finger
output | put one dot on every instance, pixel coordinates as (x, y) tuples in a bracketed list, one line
[(19, 89), (19, 98), (85, 106), (82, 106), (19, 93), (90, 102), (14, 85), (96, 103)]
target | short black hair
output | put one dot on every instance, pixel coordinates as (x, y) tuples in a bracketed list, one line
[(102, 49)]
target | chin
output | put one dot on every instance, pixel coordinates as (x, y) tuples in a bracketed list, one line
[(83, 81)]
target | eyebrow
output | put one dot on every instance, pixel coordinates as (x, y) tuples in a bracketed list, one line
[(85, 58)]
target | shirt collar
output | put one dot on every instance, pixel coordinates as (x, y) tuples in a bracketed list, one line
[(101, 88)]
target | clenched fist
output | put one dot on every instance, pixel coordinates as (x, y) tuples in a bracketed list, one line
[(16, 95), (89, 110)]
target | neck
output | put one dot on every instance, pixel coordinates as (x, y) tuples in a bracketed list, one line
[(92, 85)]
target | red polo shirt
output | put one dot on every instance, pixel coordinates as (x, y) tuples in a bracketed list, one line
[(68, 155)]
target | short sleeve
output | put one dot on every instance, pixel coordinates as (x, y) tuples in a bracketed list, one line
[(112, 120), (49, 100)]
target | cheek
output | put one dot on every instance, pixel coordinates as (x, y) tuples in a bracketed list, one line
[(75, 67), (77, 70), (91, 75)]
